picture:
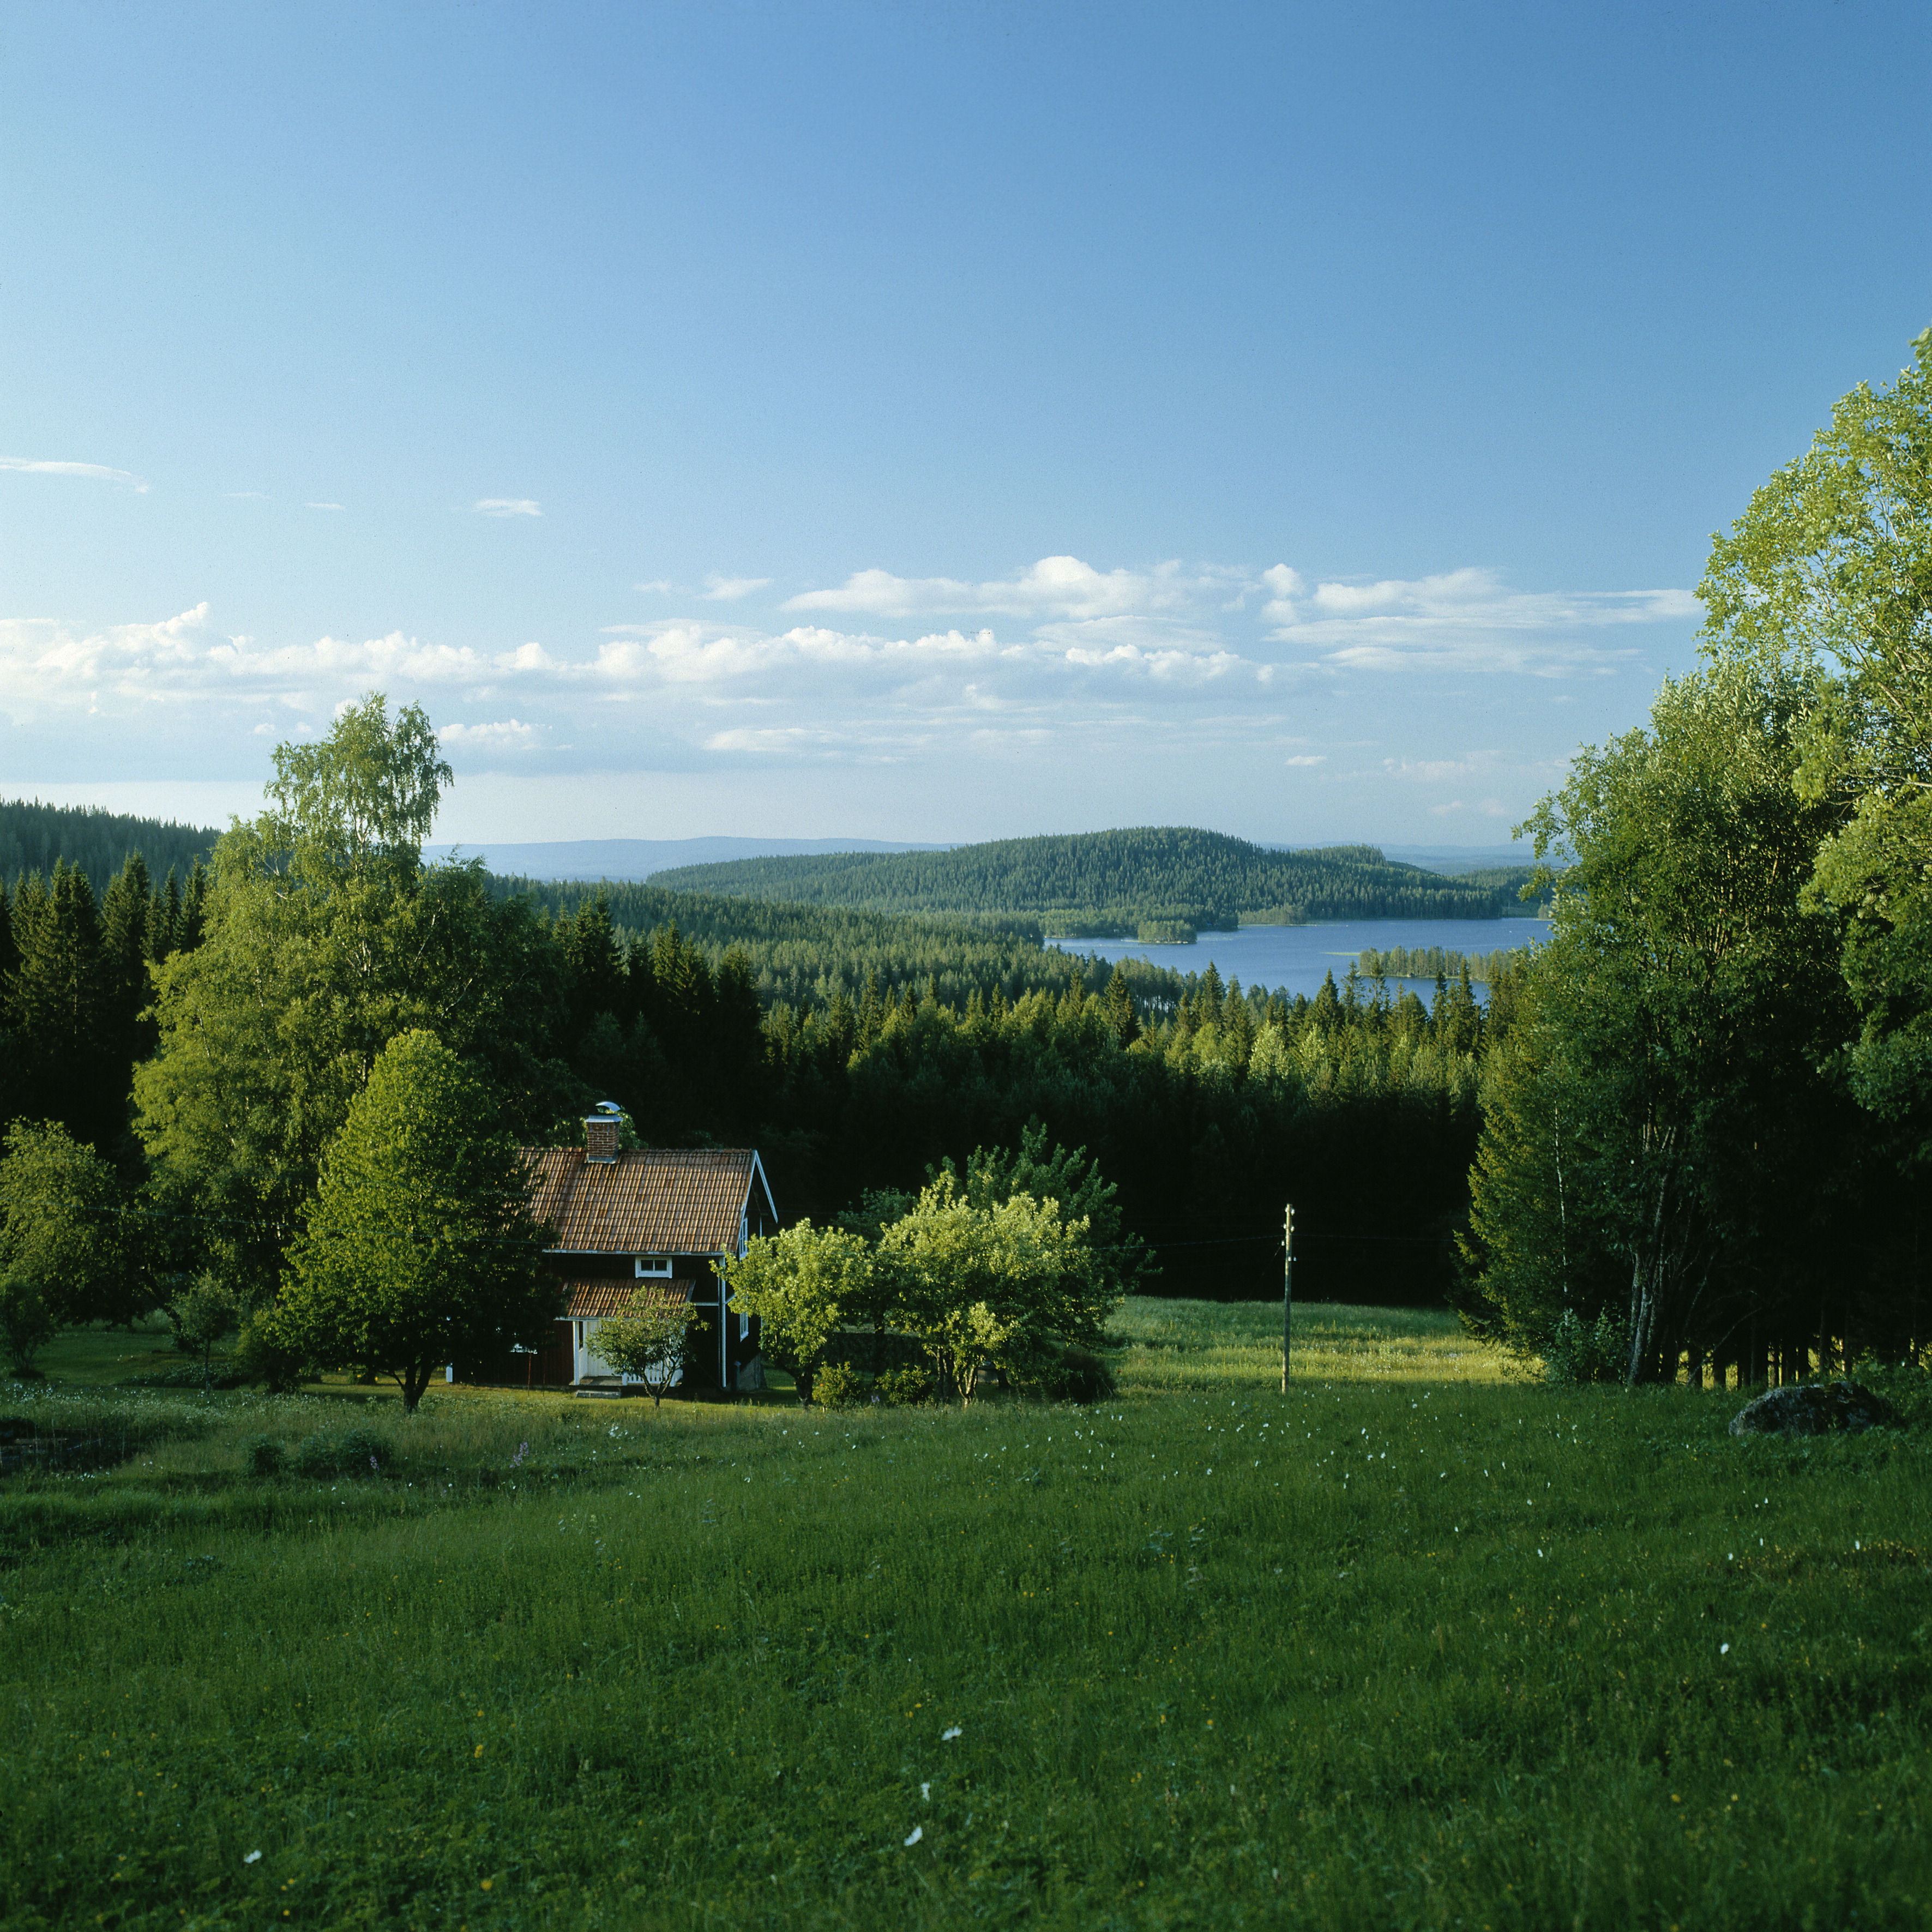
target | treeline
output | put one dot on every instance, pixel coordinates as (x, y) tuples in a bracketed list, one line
[(74, 987), (1170, 881), (1705, 1142), (34, 837), (193, 1060), (1361, 1107), (1436, 962), (806, 955)]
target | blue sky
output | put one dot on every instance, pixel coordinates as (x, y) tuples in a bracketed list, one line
[(925, 422)]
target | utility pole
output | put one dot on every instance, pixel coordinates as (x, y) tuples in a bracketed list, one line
[(1287, 1285)]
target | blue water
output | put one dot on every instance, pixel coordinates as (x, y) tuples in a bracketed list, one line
[(1291, 959)]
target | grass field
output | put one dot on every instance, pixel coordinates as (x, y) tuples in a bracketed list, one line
[(1417, 1644)]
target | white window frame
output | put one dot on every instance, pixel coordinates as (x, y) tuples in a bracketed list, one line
[(652, 1273)]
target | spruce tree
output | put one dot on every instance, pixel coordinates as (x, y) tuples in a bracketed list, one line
[(64, 1014), (124, 940)]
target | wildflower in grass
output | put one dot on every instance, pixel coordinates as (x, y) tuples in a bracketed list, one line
[(947, 1737), (253, 1857), (918, 1832)]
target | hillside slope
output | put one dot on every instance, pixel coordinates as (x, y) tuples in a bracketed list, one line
[(1148, 880), (34, 835)]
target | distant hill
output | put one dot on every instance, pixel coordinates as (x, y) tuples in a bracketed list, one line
[(34, 835), (641, 858), (1149, 882)]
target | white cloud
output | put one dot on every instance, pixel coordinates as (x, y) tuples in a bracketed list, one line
[(658, 586), (246, 495), (1468, 620), (1055, 587), (727, 589), (507, 734), (1184, 676), (99, 472), (507, 506), (322, 506)]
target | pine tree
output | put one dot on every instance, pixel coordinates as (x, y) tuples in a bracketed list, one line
[(124, 940), (190, 923), (9, 958), (64, 1012), (1118, 1005), (164, 918), (595, 979)]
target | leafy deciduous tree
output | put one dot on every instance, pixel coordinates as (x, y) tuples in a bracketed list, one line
[(419, 1246)]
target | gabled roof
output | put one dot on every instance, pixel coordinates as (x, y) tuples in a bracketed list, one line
[(648, 1201)]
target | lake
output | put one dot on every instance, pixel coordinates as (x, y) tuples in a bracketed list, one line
[(1291, 959)]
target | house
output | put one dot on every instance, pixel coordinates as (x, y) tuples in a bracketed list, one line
[(622, 1217)]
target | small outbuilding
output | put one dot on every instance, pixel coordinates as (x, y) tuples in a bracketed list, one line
[(621, 1218)]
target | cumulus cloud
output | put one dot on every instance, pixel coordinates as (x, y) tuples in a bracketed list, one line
[(99, 472), (1468, 619), (1109, 667), (507, 506), (1055, 587), (506, 734)]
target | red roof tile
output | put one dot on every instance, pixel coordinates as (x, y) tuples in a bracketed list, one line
[(648, 1201), (588, 1299)]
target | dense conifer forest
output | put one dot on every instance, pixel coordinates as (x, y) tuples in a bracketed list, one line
[(33, 836), (1152, 882)]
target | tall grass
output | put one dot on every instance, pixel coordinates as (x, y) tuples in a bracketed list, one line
[(1406, 1647)]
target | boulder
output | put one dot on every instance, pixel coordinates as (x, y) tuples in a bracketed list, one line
[(1813, 1408)]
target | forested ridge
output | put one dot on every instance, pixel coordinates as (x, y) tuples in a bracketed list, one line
[(806, 954), (1151, 882), (34, 835)]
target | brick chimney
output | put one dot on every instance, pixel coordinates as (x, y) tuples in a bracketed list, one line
[(600, 1132)]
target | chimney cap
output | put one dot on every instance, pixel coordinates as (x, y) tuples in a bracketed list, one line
[(606, 1107)]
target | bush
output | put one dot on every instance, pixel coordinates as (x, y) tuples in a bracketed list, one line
[(261, 1354), (1905, 1385), (265, 1456), (1082, 1377), (1574, 1355), (347, 1452), (839, 1385), (27, 1323), (901, 1387), (1071, 1374)]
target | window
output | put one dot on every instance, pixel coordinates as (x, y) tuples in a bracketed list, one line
[(657, 1266)]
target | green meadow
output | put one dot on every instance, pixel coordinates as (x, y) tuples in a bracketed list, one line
[(1417, 1644)]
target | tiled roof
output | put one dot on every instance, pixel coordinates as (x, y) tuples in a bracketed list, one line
[(648, 1201), (590, 1299)]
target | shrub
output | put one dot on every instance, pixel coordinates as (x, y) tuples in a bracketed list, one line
[(347, 1452), (1905, 1385), (901, 1387), (1574, 1354), (839, 1385), (265, 1456), (262, 1354), (27, 1323), (1079, 1376)]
